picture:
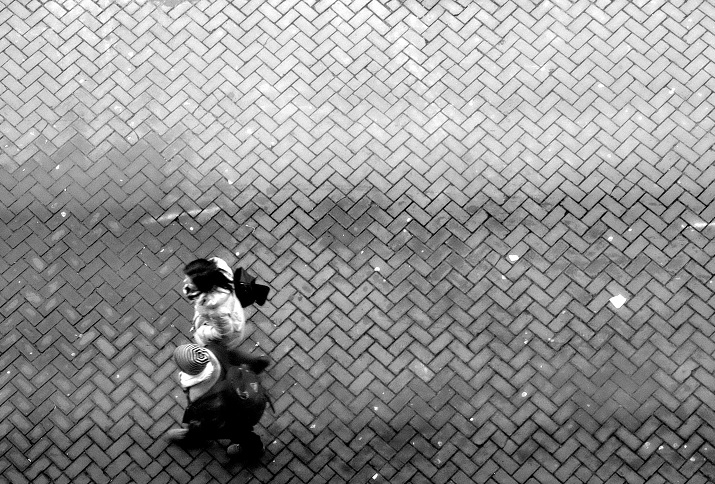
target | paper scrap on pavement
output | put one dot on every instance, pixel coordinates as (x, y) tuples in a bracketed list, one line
[(618, 300)]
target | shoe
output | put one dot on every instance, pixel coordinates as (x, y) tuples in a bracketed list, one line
[(259, 365), (174, 435), (235, 450), (254, 452)]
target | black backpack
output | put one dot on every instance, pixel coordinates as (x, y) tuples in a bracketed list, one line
[(247, 393), (234, 403)]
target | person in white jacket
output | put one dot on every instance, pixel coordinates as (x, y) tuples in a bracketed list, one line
[(218, 314)]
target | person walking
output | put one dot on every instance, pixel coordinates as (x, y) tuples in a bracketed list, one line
[(218, 313), (225, 397)]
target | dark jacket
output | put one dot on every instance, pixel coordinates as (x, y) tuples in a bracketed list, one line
[(235, 403)]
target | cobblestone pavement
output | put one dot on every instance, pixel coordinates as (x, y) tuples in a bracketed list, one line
[(488, 227)]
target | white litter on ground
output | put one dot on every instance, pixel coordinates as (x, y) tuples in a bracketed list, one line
[(618, 300)]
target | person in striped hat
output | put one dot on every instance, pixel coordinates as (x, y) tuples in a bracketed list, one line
[(225, 397)]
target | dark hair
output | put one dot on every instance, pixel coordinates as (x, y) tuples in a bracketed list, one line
[(206, 276)]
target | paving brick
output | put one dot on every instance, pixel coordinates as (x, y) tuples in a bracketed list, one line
[(452, 152)]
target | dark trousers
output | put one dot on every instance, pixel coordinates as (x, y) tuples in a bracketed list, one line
[(244, 436)]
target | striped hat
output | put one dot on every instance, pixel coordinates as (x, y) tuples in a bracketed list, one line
[(191, 358)]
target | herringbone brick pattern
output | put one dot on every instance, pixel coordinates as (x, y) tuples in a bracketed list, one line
[(445, 196)]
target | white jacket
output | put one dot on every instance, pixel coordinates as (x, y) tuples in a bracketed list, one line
[(218, 313)]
